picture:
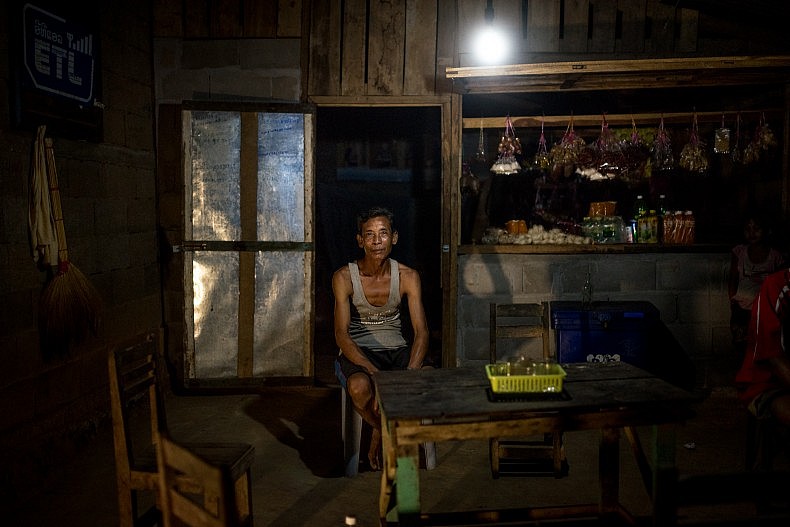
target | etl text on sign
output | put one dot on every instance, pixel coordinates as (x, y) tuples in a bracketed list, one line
[(59, 56)]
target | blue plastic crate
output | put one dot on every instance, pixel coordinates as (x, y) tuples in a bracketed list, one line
[(606, 331)]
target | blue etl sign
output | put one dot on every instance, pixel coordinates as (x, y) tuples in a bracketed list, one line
[(59, 56)]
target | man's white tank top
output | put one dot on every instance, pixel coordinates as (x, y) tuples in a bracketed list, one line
[(376, 327)]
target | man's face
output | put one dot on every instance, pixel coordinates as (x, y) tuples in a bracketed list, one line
[(377, 237)]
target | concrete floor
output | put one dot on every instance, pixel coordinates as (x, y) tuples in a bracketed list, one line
[(297, 476)]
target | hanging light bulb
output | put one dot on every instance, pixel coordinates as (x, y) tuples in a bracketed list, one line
[(490, 46)]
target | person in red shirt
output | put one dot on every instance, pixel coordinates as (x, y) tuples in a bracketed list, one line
[(764, 377)]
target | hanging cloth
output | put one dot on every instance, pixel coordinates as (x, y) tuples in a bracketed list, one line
[(43, 237)]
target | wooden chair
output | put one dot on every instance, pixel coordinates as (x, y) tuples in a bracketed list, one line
[(135, 392), (524, 457), (212, 500)]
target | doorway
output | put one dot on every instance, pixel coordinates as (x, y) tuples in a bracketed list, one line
[(366, 156)]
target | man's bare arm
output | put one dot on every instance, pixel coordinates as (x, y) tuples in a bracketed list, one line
[(412, 290), (343, 290)]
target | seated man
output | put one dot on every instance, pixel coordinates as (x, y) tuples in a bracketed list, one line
[(368, 331), (764, 377)]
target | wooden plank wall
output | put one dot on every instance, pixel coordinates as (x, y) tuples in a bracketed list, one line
[(577, 29), (228, 18), (380, 47), (402, 47)]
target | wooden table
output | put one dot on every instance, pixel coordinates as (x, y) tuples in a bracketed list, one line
[(451, 404)]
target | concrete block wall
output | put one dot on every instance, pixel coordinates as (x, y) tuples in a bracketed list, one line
[(689, 290), (53, 404), (232, 69)]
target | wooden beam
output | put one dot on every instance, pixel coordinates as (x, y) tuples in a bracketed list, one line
[(642, 66), (554, 121)]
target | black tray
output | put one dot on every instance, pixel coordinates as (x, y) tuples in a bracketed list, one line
[(527, 396)]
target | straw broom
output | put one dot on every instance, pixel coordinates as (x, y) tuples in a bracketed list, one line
[(70, 305)]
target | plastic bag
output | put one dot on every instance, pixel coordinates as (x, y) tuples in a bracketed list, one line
[(542, 157), (610, 159), (721, 139), (693, 157), (509, 147), (663, 158), (568, 149)]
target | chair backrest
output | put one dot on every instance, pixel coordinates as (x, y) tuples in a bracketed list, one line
[(134, 387), (210, 503), (519, 321)]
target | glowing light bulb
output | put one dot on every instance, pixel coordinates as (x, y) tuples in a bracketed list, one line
[(490, 46)]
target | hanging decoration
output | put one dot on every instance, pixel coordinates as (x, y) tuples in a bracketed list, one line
[(663, 158), (721, 139), (763, 140), (542, 157), (636, 153), (692, 156), (480, 155), (509, 148), (737, 154), (566, 152), (610, 160)]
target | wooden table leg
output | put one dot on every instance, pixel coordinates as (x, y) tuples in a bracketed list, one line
[(609, 470), (665, 475), (388, 470), (407, 485)]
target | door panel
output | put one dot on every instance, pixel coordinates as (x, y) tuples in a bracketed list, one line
[(248, 241)]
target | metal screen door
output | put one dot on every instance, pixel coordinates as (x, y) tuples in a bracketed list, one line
[(249, 258)]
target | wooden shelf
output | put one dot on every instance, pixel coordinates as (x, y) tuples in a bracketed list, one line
[(601, 248), (622, 74), (652, 119)]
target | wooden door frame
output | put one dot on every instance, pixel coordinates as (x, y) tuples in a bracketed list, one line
[(451, 165)]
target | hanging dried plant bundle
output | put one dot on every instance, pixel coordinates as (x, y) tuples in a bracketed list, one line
[(663, 158), (509, 147), (693, 157)]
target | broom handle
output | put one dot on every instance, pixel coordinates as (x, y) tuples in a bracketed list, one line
[(54, 196)]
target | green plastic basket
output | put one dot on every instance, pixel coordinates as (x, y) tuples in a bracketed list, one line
[(502, 382)]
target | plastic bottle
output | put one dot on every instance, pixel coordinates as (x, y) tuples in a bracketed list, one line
[(662, 204), (662, 214), (640, 210), (640, 206), (689, 228)]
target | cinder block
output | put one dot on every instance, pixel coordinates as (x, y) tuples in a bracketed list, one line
[(480, 279), (690, 273), (262, 54), (111, 216), (475, 344), (202, 54)]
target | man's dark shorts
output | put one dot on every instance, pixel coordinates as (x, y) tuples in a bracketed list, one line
[(394, 359)]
